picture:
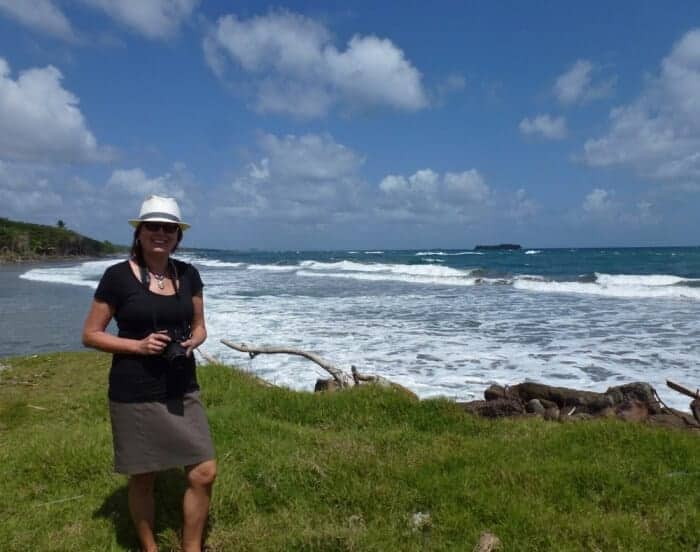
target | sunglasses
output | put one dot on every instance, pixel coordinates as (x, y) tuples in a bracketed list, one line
[(166, 227)]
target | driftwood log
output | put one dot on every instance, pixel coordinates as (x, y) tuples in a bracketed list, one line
[(340, 379), (695, 405), (206, 356), (637, 401), (631, 402)]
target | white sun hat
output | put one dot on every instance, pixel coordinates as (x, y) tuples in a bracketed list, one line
[(159, 209)]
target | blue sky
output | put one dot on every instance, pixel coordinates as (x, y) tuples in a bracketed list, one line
[(324, 125)]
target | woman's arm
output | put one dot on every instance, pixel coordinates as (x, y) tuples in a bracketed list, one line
[(199, 329), (94, 334)]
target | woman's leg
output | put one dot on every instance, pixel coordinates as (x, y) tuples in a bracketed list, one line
[(142, 508), (200, 478)]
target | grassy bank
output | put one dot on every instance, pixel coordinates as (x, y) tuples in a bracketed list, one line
[(341, 472)]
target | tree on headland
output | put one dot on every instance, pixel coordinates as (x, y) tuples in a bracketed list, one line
[(61, 224)]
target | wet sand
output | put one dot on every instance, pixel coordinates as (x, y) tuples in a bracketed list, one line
[(37, 317)]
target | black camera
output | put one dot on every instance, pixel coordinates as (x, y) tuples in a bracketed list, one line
[(174, 352)]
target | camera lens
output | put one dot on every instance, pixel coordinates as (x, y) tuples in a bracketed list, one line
[(176, 355)]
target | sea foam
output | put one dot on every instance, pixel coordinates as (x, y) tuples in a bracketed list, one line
[(85, 274), (619, 286), (434, 330)]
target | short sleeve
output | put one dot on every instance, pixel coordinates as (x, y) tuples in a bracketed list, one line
[(108, 289), (196, 284)]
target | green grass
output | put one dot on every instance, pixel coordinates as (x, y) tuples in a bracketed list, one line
[(343, 471)]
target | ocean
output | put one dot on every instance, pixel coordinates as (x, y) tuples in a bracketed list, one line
[(441, 322)]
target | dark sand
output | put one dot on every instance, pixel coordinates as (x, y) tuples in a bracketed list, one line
[(37, 317)]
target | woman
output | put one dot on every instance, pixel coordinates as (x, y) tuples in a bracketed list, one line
[(158, 421)]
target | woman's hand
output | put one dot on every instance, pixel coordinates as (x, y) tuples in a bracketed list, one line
[(153, 344), (191, 344), (199, 330)]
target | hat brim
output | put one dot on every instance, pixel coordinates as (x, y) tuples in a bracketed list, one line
[(135, 222)]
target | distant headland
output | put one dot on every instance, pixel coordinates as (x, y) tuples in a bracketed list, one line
[(498, 247), (24, 241)]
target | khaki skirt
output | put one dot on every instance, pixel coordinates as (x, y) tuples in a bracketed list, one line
[(156, 436)]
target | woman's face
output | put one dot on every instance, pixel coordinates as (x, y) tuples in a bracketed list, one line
[(158, 237)]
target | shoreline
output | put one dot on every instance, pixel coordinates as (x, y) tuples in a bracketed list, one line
[(15, 260), (40, 317)]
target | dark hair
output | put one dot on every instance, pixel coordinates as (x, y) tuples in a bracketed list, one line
[(137, 251)]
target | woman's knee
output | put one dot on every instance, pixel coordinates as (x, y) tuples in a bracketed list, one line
[(202, 474), (142, 482)]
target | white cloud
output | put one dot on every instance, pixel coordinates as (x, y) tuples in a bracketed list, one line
[(601, 207), (297, 70), (45, 194), (426, 196), (26, 192), (135, 183), (29, 202), (658, 135), (521, 207), (41, 15), (40, 120), (423, 182), (468, 185), (153, 18), (118, 199), (309, 178), (552, 128), (576, 85), (599, 201)]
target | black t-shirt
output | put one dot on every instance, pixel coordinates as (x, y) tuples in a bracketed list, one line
[(139, 312)]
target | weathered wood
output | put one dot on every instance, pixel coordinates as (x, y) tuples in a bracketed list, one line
[(341, 378), (695, 409), (497, 408), (639, 391), (209, 358), (683, 390), (381, 381), (562, 396)]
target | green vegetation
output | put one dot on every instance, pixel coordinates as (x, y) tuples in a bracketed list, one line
[(342, 471), (24, 241)]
